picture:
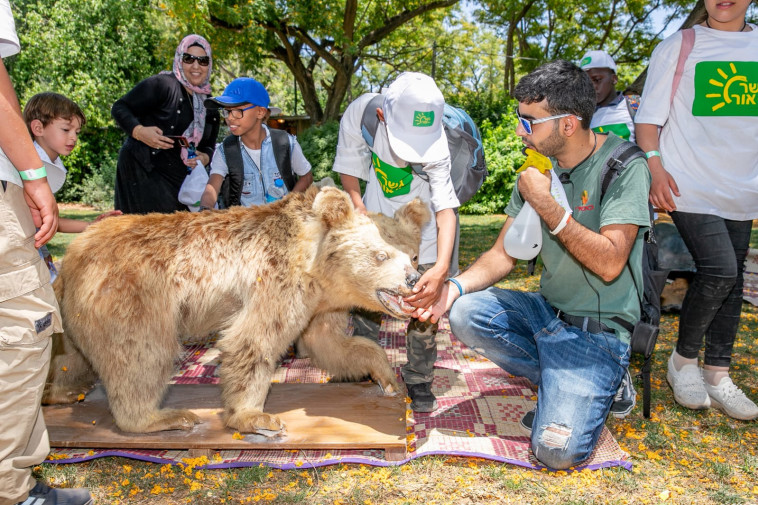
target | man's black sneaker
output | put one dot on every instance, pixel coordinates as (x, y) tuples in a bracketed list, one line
[(422, 398), (528, 420), (625, 399), (44, 495)]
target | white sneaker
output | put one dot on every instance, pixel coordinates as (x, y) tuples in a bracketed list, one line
[(688, 386), (729, 398)]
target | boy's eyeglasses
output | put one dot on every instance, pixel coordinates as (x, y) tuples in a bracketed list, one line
[(189, 59), (526, 124), (235, 113)]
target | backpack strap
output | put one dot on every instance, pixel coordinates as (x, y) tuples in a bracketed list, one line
[(617, 162), (231, 188), (688, 42), (369, 121), (280, 142)]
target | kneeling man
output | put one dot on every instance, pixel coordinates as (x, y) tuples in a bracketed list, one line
[(562, 338)]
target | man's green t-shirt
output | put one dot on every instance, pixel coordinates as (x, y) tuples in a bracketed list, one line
[(565, 283)]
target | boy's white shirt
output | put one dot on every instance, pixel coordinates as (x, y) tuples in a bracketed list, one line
[(300, 165), (56, 172), (354, 158)]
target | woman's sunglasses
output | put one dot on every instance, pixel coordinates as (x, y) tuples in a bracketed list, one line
[(526, 124), (189, 59)]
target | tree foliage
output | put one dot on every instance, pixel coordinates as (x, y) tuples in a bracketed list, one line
[(92, 51), (323, 43), (535, 31)]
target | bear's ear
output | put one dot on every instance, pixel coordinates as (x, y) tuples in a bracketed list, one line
[(415, 213), (334, 206)]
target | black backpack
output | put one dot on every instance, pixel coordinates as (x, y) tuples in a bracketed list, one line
[(231, 188), (468, 168), (645, 331)]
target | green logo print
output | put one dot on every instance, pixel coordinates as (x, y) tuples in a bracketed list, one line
[(421, 118), (394, 181), (585, 61), (620, 129), (724, 88)]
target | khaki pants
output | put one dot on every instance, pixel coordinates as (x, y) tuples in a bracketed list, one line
[(28, 317)]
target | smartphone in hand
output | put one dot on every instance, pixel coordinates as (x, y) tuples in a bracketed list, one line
[(181, 139)]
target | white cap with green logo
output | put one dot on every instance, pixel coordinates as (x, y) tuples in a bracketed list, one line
[(597, 59), (413, 108)]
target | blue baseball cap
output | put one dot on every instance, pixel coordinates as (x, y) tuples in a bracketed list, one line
[(241, 91)]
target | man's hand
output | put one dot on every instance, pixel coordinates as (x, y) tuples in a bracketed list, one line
[(533, 184), (44, 210), (428, 289), (442, 305)]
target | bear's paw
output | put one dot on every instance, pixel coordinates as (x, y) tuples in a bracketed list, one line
[(256, 422)]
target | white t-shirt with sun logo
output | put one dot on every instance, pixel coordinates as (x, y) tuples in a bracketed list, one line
[(386, 189), (709, 139)]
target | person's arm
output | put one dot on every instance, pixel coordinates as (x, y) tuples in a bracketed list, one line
[(303, 182), (352, 186), (300, 166), (146, 96), (663, 184), (67, 225), (488, 269), (428, 289), (207, 145), (17, 145), (604, 253), (210, 195)]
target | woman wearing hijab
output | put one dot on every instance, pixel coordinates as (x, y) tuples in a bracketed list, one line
[(158, 114)]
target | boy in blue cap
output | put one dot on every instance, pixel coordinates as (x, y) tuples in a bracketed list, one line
[(254, 165)]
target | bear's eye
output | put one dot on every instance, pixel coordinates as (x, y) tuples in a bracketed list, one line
[(382, 256), (414, 259)]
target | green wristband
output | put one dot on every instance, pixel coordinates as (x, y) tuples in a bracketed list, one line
[(650, 154), (33, 174)]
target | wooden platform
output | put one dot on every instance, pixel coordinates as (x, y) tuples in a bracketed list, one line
[(317, 416)]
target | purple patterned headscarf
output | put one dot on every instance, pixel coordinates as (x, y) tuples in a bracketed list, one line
[(194, 132)]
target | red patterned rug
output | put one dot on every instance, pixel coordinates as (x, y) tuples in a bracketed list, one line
[(479, 411)]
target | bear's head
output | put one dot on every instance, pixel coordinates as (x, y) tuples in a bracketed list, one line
[(357, 266), (404, 229)]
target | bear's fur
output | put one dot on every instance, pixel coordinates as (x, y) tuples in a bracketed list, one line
[(402, 231), (131, 286)]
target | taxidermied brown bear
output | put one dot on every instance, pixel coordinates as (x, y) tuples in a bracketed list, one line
[(130, 287)]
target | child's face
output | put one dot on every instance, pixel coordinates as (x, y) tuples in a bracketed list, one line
[(250, 120), (59, 136)]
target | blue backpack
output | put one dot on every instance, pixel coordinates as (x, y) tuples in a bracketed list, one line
[(468, 167)]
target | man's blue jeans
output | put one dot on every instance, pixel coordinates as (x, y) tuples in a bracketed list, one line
[(578, 373)]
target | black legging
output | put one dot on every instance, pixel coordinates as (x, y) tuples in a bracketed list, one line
[(713, 302)]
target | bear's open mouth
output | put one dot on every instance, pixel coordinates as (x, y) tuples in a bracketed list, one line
[(395, 304)]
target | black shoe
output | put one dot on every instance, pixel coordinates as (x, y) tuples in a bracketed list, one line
[(625, 399), (422, 398), (44, 495), (528, 420)]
